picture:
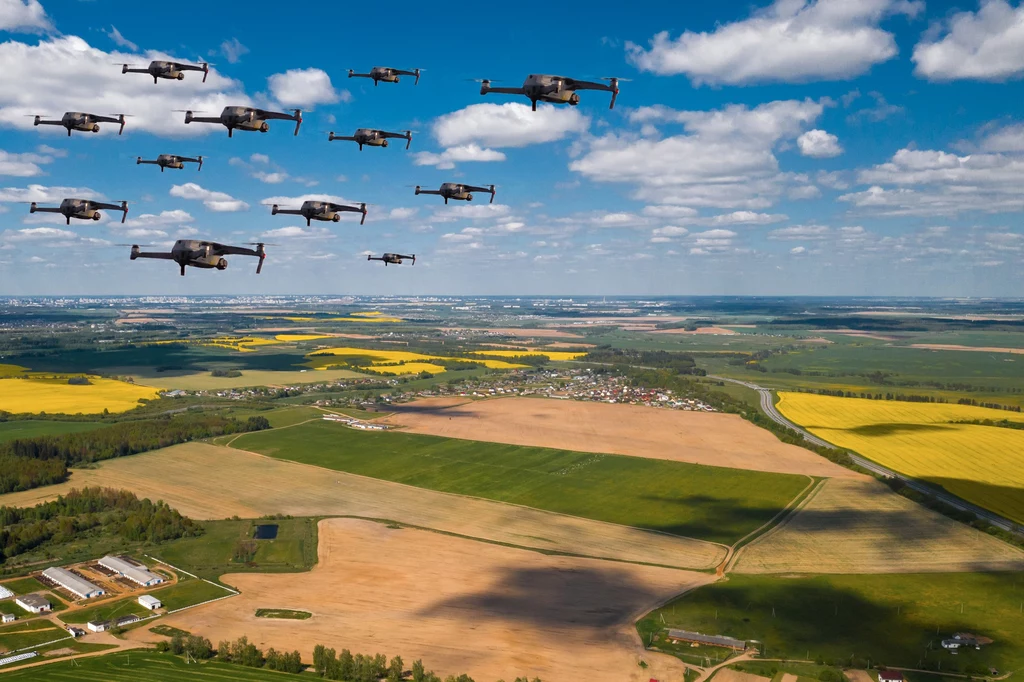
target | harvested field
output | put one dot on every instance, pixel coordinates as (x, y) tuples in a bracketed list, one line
[(730, 675), (700, 330), (489, 611), (209, 482), (858, 676), (979, 349), (516, 331), (860, 526), (714, 439), (250, 377)]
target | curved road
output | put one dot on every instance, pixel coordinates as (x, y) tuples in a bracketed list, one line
[(768, 407)]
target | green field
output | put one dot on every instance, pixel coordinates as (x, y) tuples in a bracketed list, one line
[(288, 614), (8, 605), (187, 592), (877, 619), (108, 611), (33, 428), (211, 554), (32, 633), (207, 382), (710, 503), (24, 585), (150, 666)]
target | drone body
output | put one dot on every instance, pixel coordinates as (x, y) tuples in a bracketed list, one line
[(81, 209), (393, 258), (166, 161), (457, 191), (246, 118), (168, 70), (82, 122), (197, 253), (372, 137), (321, 210), (386, 74), (554, 89)]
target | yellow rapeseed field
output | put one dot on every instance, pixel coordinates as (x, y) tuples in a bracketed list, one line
[(11, 371), (301, 337), (56, 396), (552, 354), (981, 464), (386, 360)]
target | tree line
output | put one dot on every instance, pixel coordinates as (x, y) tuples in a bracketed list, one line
[(31, 462), (90, 512), (680, 363)]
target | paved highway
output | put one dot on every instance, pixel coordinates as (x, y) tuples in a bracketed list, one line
[(768, 407)]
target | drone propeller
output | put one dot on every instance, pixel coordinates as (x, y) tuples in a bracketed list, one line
[(260, 244), (136, 245)]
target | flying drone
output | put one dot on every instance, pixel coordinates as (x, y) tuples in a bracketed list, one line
[(202, 254), (246, 118), (166, 161), (82, 122), (372, 137), (168, 70), (386, 74), (321, 210), (82, 209), (393, 258), (456, 191), (554, 89)]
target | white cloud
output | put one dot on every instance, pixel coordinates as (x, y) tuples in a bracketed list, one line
[(259, 158), (233, 50), (66, 74), (120, 40), (669, 231), (669, 211), (24, 16), (402, 213), (295, 232), (447, 159), (819, 144), (471, 212), (175, 217), (800, 232), (270, 178), (1005, 139), (715, 234), (747, 218), (289, 202), (42, 193), (305, 88), (22, 165), (797, 250), (877, 112), (789, 41), (725, 158), (804, 192), (219, 202), (983, 45), (142, 233), (37, 233), (507, 125)]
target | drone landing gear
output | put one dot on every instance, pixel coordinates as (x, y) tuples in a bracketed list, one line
[(182, 269), (534, 104)]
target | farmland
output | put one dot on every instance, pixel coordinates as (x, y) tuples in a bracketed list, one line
[(708, 503), (395, 361), (878, 531), (981, 464), (142, 665), (54, 395), (884, 619), (207, 382), (29, 633), (31, 429), (551, 354)]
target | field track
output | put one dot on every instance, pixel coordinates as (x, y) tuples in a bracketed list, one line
[(863, 527), (210, 482), (713, 439), (406, 591)]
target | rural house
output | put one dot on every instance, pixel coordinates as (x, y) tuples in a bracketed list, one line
[(890, 676)]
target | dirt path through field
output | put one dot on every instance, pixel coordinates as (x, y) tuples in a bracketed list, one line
[(714, 439), (211, 482), (462, 606)]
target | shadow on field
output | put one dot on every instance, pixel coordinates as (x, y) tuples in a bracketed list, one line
[(896, 429), (162, 360), (580, 597), (718, 512)]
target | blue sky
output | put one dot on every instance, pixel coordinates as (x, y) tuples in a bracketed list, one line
[(790, 147)]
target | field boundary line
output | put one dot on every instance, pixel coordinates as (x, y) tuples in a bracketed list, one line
[(39, 646), (193, 575), (272, 428), (484, 499)]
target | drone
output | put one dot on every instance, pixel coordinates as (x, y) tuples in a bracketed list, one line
[(374, 138), (166, 161), (246, 118), (386, 74), (554, 89), (82, 122), (456, 191), (393, 258), (202, 254), (321, 210), (168, 70), (82, 209)]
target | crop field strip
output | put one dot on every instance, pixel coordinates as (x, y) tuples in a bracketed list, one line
[(209, 482), (980, 464), (141, 665), (34, 394), (708, 503)]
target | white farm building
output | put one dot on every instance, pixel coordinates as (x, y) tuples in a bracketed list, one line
[(151, 603), (76, 585), (5, 593), (137, 574)]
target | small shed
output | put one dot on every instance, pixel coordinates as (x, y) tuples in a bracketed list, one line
[(34, 603), (7, 617), (890, 676), (151, 603), (98, 625)]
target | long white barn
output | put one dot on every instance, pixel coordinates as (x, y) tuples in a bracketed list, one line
[(137, 574), (78, 586)]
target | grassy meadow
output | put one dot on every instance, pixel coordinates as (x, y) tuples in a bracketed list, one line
[(708, 503), (32, 428), (143, 665)]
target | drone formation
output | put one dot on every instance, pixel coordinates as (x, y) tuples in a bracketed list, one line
[(210, 255)]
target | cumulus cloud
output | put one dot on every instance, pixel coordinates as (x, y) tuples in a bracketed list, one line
[(37, 233), (233, 50), (120, 40), (819, 144), (295, 232), (270, 178), (42, 193), (747, 218), (983, 45), (66, 74), (797, 250), (668, 232), (305, 88), (219, 202), (789, 41), (23, 165), (447, 159), (507, 125), (800, 232), (1008, 138), (24, 16), (285, 202), (175, 217)]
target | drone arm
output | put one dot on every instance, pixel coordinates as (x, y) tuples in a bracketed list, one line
[(429, 191), (502, 91), (414, 72), (226, 250), (286, 211), (151, 162), (352, 74), (160, 255), (344, 138), (37, 209), (126, 69), (203, 119), (587, 85), (41, 122)]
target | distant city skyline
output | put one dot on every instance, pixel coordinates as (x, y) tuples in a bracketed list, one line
[(795, 147)]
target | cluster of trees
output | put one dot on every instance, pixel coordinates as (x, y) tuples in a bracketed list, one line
[(195, 646), (44, 460), (994, 406), (230, 373), (79, 381), (680, 363), (90, 512)]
